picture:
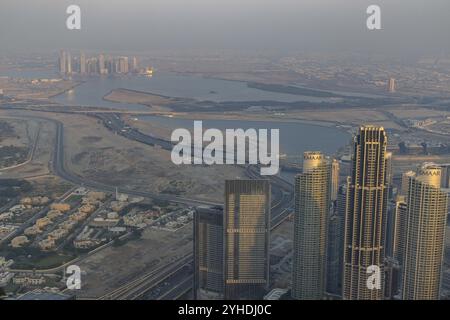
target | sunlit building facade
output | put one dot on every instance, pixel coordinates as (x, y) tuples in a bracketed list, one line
[(312, 204), (365, 221), (425, 235), (208, 253), (246, 238), (335, 172)]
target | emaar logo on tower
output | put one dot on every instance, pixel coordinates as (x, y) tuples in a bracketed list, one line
[(241, 146)]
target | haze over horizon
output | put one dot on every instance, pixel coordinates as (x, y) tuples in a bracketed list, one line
[(410, 28)]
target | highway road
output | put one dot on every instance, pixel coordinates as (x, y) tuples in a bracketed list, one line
[(114, 123), (137, 288), (142, 284), (281, 187), (175, 279), (58, 167), (173, 293)]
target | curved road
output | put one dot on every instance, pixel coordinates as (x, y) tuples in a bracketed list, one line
[(58, 167), (135, 289)]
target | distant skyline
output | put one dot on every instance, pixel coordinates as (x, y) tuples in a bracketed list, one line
[(410, 27)]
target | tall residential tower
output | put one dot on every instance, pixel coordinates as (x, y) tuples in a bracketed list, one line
[(365, 221), (335, 172), (425, 235), (312, 204)]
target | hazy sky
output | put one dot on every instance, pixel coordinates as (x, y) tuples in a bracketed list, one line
[(409, 26)]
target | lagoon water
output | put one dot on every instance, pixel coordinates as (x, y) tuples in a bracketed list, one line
[(92, 91), (172, 85), (295, 138)]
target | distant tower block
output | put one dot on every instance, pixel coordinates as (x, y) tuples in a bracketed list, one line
[(335, 171), (134, 65), (62, 62), (69, 63), (392, 85), (82, 63)]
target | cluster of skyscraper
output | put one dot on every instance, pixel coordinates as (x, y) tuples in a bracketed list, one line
[(341, 231), (101, 64), (231, 247)]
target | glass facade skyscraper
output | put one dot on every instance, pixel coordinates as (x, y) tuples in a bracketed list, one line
[(246, 238)]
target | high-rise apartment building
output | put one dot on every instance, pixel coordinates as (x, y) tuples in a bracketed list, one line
[(208, 253), (445, 176), (399, 229), (62, 62), (246, 238), (312, 205), (392, 278), (335, 247), (396, 246), (122, 65), (102, 64), (82, 63), (68, 63), (392, 85), (425, 235), (365, 221), (335, 172), (134, 67), (405, 182), (389, 173)]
